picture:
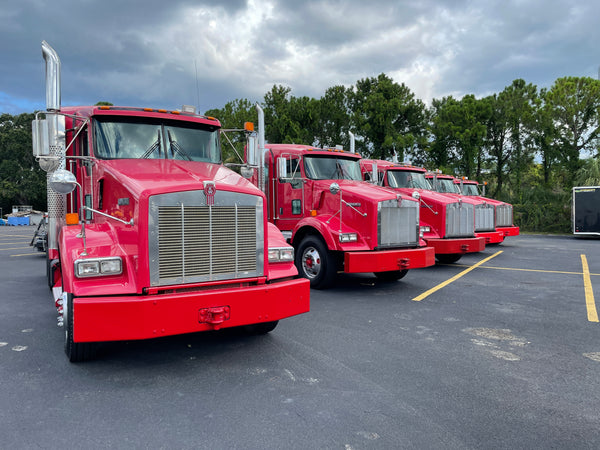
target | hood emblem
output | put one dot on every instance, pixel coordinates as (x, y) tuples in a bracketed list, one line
[(209, 192)]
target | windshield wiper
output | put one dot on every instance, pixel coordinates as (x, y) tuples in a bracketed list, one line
[(155, 145), (176, 148)]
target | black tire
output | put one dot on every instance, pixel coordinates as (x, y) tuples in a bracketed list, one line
[(261, 328), (394, 275), (315, 262), (448, 258), (75, 351)]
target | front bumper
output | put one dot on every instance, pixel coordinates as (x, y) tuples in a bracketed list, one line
[(491, 237), (508, 231), (97, 319), (457, 245), (388, 260)]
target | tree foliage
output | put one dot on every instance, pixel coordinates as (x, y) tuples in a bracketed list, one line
[(530, 145), (22, 182)]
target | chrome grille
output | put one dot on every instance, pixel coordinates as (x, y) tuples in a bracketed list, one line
[(460, 221), (398, 225), (191, 242), (484, 217), (504, 215)]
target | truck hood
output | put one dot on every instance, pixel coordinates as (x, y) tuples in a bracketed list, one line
[(357, 190), (430, 197), (153, 176)]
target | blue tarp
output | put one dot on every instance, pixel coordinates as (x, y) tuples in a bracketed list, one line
[(18, 221)]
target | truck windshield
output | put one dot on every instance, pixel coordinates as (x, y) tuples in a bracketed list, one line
[(470, 189), (136, 138), (405, 179), (331, 168), (447, 186)]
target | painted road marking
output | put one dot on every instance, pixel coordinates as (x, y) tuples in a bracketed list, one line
[(454, 278), (26, 254), (561, 272), (14, 248), (592, 314)]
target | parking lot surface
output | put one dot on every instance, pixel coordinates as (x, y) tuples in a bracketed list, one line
[(500, 350)]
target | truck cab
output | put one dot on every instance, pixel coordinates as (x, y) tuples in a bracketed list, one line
[(447, 224), (485, 225), (503, 212), (149, 235), (335, 221)]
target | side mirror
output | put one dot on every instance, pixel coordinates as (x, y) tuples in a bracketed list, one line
[(39, 136), (62, 181), (282, 167), (252, 151)]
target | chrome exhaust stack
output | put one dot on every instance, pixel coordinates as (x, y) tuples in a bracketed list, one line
[(52, 77)]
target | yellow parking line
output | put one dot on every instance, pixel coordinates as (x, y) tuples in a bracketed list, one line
[(589, 293), (27, 254), (14, 248), (562, 272), (454, 278)]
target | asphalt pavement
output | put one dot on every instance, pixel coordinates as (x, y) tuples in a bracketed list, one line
[(500, 350)]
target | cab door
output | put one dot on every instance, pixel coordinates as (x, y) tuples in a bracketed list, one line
[(290, 204)]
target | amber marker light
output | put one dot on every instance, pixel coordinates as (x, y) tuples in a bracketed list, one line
[(249, 126), (313, 212), (72, 218)]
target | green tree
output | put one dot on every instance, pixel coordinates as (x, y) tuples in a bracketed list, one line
[(589, 173), (22, 182), (545, 137), (282, 113), (388, 117), (232, 117), (459, 128), (520, 99), (574, 105), (510, 131), (334, 118)]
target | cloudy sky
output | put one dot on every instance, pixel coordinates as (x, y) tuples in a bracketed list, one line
[(164, 54)]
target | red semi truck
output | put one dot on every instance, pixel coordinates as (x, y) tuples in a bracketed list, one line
[(149, 235), (485, 225), (503, 212), (334, 220), (447, 224)]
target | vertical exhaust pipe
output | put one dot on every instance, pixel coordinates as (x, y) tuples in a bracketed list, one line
[(261, 148), (52, 78)]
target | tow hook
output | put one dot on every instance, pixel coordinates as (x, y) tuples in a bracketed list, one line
[(404, 263), (214, 316)]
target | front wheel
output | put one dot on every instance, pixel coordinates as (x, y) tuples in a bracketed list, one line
[(448, 258), (76, 351), (394, 275), (315, 262)]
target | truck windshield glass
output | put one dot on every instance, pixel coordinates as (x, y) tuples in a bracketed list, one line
[(331, 168), (132, 138), (470, 189), (447, 186), (405, 179)]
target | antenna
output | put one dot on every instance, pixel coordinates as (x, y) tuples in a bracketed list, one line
[(197, 88)]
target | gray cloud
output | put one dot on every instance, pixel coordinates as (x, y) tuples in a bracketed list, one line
[(164, 54)]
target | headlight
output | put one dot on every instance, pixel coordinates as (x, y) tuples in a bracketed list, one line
[(348, 237), (95, 267), (281, 254)]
